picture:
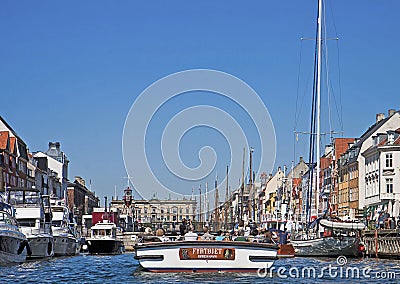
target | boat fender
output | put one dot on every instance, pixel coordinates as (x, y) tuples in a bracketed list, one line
[(49, 248), (22, 245)]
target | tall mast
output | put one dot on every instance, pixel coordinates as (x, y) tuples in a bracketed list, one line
[(226, 198), (216, 205), (242, 187), (319, 47)]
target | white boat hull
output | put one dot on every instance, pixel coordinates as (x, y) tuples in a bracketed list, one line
[(341, 225), (42, 246), (65, 245), (13, 247), (205, 256)]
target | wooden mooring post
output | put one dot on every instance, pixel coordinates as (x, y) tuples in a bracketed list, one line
[(382, 243)]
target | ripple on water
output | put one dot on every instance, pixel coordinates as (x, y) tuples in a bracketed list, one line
[(125, 269)]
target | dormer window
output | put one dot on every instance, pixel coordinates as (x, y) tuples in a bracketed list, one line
[(389, 160), (390, 138)]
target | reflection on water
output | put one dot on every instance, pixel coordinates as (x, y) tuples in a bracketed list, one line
[(125, 269)]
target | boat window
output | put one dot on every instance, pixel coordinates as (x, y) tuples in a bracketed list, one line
[(27, 222), (16, 197), (56, 223), (31, 198)]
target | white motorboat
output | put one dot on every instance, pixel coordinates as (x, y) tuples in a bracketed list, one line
[(341, 225), (205, 256), (34, 216), (103, 239), (13, 243), (64, 230)]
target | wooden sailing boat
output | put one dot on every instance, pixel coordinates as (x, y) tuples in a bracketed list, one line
[(322, 237)]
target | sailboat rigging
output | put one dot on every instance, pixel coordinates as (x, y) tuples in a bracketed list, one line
[(338, 238)]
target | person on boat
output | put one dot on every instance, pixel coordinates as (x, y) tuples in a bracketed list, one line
[(160, 233), (191, 235), (183, 227), (206, 235), (220, 236), (290, 226), (148, 231)]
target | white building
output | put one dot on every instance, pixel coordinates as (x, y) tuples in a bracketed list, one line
[(382, 125), (57, 163), (382, 173)]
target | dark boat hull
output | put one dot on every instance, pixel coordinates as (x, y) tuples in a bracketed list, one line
[(104, 246), (13, 249), (328, 246)]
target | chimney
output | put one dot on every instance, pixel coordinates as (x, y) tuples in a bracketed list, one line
[(301, 159), (379, 117), (391, 112)]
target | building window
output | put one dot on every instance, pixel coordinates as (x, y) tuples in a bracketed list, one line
[(389, 160), (389, 185)]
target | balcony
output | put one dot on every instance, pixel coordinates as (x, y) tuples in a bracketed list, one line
[(386, 196)]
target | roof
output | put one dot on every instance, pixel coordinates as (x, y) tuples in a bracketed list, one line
[(11, 129), (13, 141), (373, 128), (4, 135)]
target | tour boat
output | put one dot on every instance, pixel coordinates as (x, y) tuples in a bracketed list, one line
[(103, 239), (64, 230), (205, 256), (34, 216), (13, 243)]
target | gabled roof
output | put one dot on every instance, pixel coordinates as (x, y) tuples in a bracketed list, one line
[(373, 128), (4, 140), (13, 141), (11, 129)]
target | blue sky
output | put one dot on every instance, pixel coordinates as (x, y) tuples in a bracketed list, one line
[(70, 71)]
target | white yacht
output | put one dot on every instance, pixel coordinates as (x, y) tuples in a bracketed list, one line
[(14, 245), (64, 230), (33, 214)]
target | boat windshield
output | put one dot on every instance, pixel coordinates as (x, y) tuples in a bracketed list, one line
[(103, 232), (7, 219), (30, 198)]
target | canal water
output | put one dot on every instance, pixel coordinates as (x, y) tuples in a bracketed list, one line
[(125, 269)]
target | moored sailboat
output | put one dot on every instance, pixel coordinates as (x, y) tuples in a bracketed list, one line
[(324, 236)]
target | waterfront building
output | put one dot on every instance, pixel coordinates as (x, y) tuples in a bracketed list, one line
[(81, 201), (276, 207), (166, 213), (340, 146), (293, 182), (382, 176), (15, 167), (57, 162), (352, 161)]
